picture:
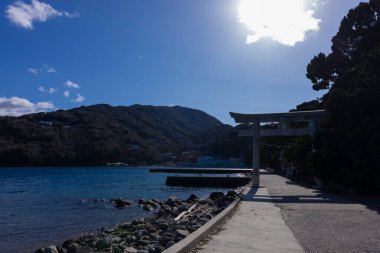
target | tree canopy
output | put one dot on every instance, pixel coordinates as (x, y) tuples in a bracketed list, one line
[(348, 150)]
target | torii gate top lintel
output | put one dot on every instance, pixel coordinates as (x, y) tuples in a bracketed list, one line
[(278, 117)]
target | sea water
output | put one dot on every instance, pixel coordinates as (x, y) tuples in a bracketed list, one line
[(44, 206)]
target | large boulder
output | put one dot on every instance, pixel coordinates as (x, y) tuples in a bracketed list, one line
[(51, 249), (120, 203), (216, 195), (182, 233)]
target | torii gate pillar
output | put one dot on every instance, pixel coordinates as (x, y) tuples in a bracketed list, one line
[(256, 154), (283, 120)]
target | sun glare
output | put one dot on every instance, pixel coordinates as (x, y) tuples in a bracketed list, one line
[(285, 21)]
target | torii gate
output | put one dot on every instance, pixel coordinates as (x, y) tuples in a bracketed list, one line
[(283, 120)]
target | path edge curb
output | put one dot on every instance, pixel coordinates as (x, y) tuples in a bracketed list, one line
[(197, 236)]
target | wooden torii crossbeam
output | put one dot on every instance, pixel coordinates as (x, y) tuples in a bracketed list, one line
[(284, 129)]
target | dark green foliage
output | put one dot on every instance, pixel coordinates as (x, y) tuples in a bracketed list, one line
[(348, 150), (98, 134), (224, 141)]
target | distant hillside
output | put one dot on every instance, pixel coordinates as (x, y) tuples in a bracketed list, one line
[(97, 134)]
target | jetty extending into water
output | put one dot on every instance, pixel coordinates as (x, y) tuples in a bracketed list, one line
[(201, 177), (207, 181), (201, 170)]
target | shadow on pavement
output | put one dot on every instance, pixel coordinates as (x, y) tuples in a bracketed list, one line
[(317, 197)]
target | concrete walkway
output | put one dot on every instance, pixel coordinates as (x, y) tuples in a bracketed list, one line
[(256, 226), (285, 217)]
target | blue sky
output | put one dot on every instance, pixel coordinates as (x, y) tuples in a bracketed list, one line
[(194, 53)]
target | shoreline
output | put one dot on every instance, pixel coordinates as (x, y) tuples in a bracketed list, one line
[(172, 221)]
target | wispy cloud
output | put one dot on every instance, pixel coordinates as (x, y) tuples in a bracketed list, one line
[(286, 22), (24, 15), (66, 93), (70, 84), (33, 71), (78, 99), (47, 90), (15, 106), (44, 68), (50, 69)]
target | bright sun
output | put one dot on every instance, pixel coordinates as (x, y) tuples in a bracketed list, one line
[(285, 21)]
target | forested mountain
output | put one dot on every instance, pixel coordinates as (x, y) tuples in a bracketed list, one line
[(98, 134)]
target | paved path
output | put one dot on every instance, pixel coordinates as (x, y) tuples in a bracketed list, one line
[(256, 226), (300, 219), (324, 222)]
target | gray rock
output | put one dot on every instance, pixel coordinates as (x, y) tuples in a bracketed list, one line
[(138, 233), (221, 203), (142, 251), (116, 239), (168, 234), (192, 198), (182, 233), (163, 226), (66, 244), (152, 230), (231, 194), (160, 249), (144, 237), (51, 249), (183, 207), (120, 203), (148, 207), (216, 195), (117, 250), (153, 204), (140, 221), (109, 230), (164, 240), (142, 201), (183, 227), (177, 239), (101, 244), (130, 250), (169, 244), (73, 248), (125, 225), (143, 242), (77, 249), (149, 248), (193, 228), (130, 238), (203, 220), (154, 236)]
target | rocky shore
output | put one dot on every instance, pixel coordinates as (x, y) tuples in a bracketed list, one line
[(173, 220)]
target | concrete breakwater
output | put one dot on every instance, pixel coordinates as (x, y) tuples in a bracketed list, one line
[(174, 219)]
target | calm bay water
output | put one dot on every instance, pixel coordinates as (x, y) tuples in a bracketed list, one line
[(42, 206)]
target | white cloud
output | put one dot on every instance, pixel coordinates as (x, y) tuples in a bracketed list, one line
[(78, 99), (52, 90), (50, 69), (49, 90), (285, 21), (15, 106), (23, 14), (33, 71), (45, 68), (70, 84), (66, 94)]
